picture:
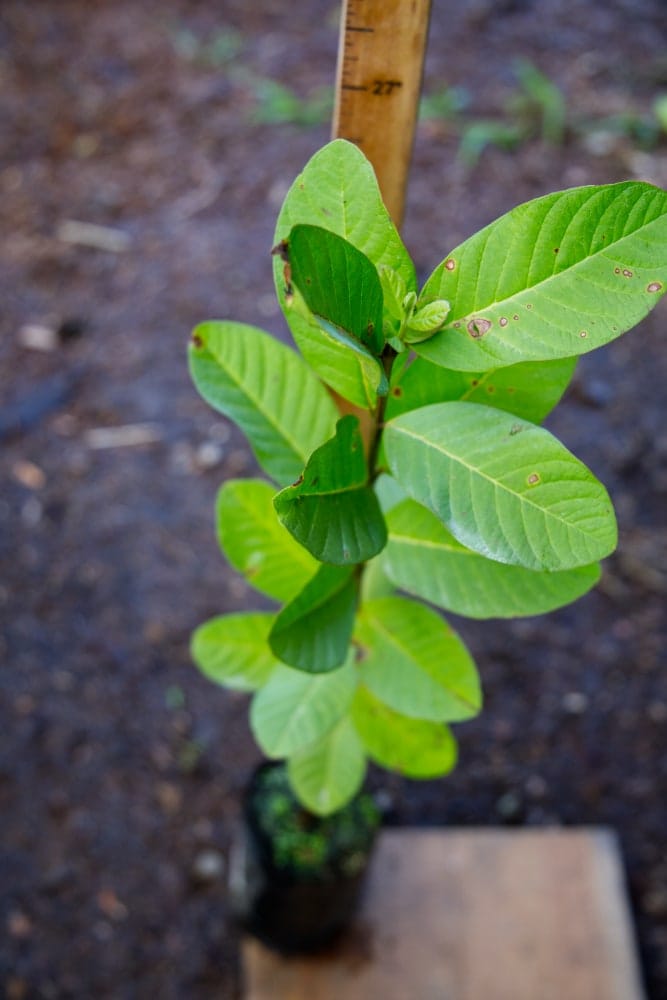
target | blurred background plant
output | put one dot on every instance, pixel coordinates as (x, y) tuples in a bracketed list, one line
[(277, 104), (222, 49), (270, 101), (536, 109)]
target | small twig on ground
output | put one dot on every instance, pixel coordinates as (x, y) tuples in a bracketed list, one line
[(91, 235), (129, 435)]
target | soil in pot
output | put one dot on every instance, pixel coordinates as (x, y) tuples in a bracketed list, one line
[(296, 878)]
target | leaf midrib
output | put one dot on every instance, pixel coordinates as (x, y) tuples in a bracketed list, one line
[(417, 542), (330, 493)]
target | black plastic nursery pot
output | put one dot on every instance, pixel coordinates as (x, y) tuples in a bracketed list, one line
[(295, 878)]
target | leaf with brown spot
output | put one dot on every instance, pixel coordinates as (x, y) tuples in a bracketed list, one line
[(600, 234)]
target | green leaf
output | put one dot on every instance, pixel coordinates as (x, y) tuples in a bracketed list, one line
[(338, 191), (313, 632), (295, 709), (414, 662), (389, 492), (332, 510), (413, 747), (255, 542), (555, 277), (505, 488), (529, 390), (424, 559), (233, 650), (267, 390), (374, 581), (327, 774), (337, 282)]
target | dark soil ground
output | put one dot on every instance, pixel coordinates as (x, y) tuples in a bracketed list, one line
[(120, 768)]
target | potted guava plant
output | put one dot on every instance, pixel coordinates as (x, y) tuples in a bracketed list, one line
[(405, 471)]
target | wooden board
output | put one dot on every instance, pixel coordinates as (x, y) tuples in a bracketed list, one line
[(378, 84), (474, 915)]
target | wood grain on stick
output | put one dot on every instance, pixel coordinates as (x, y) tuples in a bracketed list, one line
[(378, 84)]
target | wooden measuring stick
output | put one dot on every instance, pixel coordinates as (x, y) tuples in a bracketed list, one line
[(378, 83)]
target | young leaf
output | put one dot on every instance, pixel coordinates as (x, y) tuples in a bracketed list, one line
[(505, 488), (332, 510), (257, 544), (555, 277), (233, 650), (294, 710), (313, 632), (424, 559), (327, 774), (413, 747), (338, 283), (414, 662), (267, 390), (338, 191), (425, 321), (529, 390), (394, 291)]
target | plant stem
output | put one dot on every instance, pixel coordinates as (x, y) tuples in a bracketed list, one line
[(377, 426), (387, 358)]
